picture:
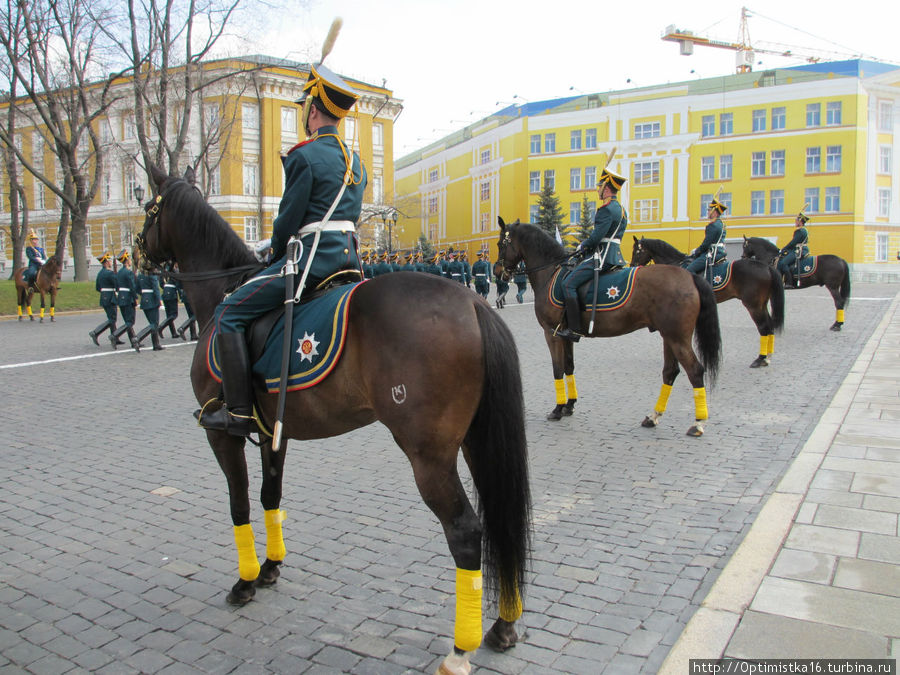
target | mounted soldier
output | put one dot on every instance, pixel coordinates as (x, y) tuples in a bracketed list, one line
[(604, 243), (36, 259), (322, 200), (711, 250), (794, 250)]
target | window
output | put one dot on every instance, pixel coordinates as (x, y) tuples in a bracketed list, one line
[(288, 122), (486, 156), (251, 229), (590, 177), (484, 222), (884, 159), (550, 143), (349, 129), (884, 202), (758, 164), (215, 181), (378, 136), (250, 117), (776, 202), (590, 139), (550, 179), (708, 126), (574, 179), (645, 210), (128, 130), (885, 116), (591, 210), (757, 202), (377, 181), (533, 213), (106, 188), (432, 205), (432, 175), (534, 181), (813, 160), (574, 213), (575, 140), (535, 148), (726, 124), (813, 114), (646, 130), (130, 182), (725, 167), (705, 201), (776, 166), (707, 168), (833, 113), (811, 197), (37, 149), (251, 179), (833, 158), (779, 116), (881, 246), (39, 196), (646, 173), (759, 120), (485, 192), (832, 199)]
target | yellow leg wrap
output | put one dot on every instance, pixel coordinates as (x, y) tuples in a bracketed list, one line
[(19, 310), (770, 347), (511, 610), (467, 633), (42, 312), (29, 311), (700, 403), (663, 399), (560, 392), (248, 563), (275, 549), (839, 316), (763, 345), (53, 311), (571, 389)]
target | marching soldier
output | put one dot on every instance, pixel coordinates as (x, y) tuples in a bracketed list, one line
[(434, 265), (127, 296), (713, 244), (794, 250), (455, 269), (445, 263), (610, 222), (521, 281), (368, 272), (170, 302), (148, 284), (467, 268), (106, 286), (191, 323), (383, 266), (419, 264), (481, 270), (36, 259), (502, 289)]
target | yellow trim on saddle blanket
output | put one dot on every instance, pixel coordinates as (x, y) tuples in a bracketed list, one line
[(614, 293), (718, 283)]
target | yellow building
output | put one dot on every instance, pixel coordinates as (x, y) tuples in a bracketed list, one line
[(825, 135), (247, 121)]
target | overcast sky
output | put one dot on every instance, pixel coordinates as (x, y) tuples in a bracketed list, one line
[(454, 62)]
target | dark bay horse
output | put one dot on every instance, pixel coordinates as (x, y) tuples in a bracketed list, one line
[(424, 356), (666, 299), (831, 271), (757, 285), (46, 283)]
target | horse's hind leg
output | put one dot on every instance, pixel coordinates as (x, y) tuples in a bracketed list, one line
[(42, 307), (560, 358), (270, 496), (569, 369), (670, 372), (763, 321), (52, 305), (229, 451), (835, 290), (684, 352)]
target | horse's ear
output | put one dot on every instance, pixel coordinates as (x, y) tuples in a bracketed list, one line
[(190, 176), (517, 222), (158, 175), (501, 223), (745, 237)]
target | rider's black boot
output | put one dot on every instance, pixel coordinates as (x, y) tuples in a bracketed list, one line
[(235, 416), (573, 321)]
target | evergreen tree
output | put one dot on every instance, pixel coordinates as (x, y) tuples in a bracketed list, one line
[(549, 211), (586, 222), (426, 247)]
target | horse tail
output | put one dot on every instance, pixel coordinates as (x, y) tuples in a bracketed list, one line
[(707, 333), (777, 299), (498, 456), (845, 283)]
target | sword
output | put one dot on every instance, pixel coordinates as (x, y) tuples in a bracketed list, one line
[(598, 266), (290, 271)]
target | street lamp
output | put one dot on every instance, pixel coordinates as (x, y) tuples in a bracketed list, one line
[(390, 222), (138, 194)]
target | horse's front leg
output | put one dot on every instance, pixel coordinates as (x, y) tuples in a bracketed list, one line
[(670, 372), (270, 496), (229, 452), (557, 346), (569, 369), (52, 305)]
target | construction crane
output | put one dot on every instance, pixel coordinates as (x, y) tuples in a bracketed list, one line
[(746, 54)]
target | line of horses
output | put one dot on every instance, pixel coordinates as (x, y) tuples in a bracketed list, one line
[(463, 395)]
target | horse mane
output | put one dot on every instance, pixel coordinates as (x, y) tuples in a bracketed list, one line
[(661, 248), (540, 241), (206, 230), (764, 243)]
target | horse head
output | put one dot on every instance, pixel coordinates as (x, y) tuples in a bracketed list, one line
[(640, 254), (508, 253), (156, 244)]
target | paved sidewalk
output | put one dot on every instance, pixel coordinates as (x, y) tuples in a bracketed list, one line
[(818, 575)]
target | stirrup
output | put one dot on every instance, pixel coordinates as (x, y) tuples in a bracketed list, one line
[(567, 334)]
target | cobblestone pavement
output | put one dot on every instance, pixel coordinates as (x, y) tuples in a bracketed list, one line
[(117, 551)]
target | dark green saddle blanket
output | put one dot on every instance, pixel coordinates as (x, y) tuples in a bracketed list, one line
[(614, 289)]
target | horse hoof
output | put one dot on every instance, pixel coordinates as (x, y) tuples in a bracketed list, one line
[(568, 410), (761, 361), (695, 431), (241, 593), (501, 636), (836, 326), (555, 414), (649, 423), (268, 573)]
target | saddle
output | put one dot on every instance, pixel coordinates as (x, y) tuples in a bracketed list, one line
[(614, 288)]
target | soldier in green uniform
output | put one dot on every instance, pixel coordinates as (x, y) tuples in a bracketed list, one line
[(467, 268), (169, 288), (713, 244), (36, 259), (434, 265), (444, 263), (383, 266), (419, 264), (481, 271), (148, 284), (521, 281), (799, 244), (368, 271), (324, 181), (191, 323), (106, 286), (604, 243), (127, 297), (502, 289), (455, 269)]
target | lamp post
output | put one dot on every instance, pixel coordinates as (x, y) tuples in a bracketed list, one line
[(138, 192), (392, 221)]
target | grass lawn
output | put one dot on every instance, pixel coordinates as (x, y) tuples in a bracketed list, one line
[(72, 296)]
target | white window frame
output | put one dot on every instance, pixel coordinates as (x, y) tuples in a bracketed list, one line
[(726, 167), (250, 117), (757, 164), (882, 243), (885, 157), (814, 160), (708, 168), (534, 211), (833, 199), (757, 202), (885, 116), (833, 159), (884, 202), (251, 179), (646, 173), (574, 213), (590, 139), (349, 129), (574, 179), (535, 144), (433, 174), (813, 115), (811, 197), (776, 163), (708, 126), (833, 113), (484, 191), (378, 137), (590, 177), (776, 202), (550, 142), (485, 156), (779, 118), (759, 120), (645, 210), (550, 179), (534, 182), (251, 229), (575, 139), (646, 130), (726, 124)]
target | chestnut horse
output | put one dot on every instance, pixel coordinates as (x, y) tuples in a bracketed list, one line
[(46, 283), (756, 284), (666, 299), (424, 356), (831, 271)]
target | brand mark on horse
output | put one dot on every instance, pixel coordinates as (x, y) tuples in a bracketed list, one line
[(398, 393)]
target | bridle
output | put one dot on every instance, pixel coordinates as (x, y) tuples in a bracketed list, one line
[(505, 241)]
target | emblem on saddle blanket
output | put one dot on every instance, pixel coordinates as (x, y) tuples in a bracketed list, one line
[(807, 266), (319, 334), (614, 289), (719, 276)]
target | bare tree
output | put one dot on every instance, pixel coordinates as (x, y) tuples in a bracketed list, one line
[(17, 204)]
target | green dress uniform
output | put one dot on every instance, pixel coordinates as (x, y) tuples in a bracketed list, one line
[(456, 271), (106, 287), (127, 296), (799, 242), (520, 279), (713, 245), (149, 303), (481, 271), (169, 289), (383, 266)]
